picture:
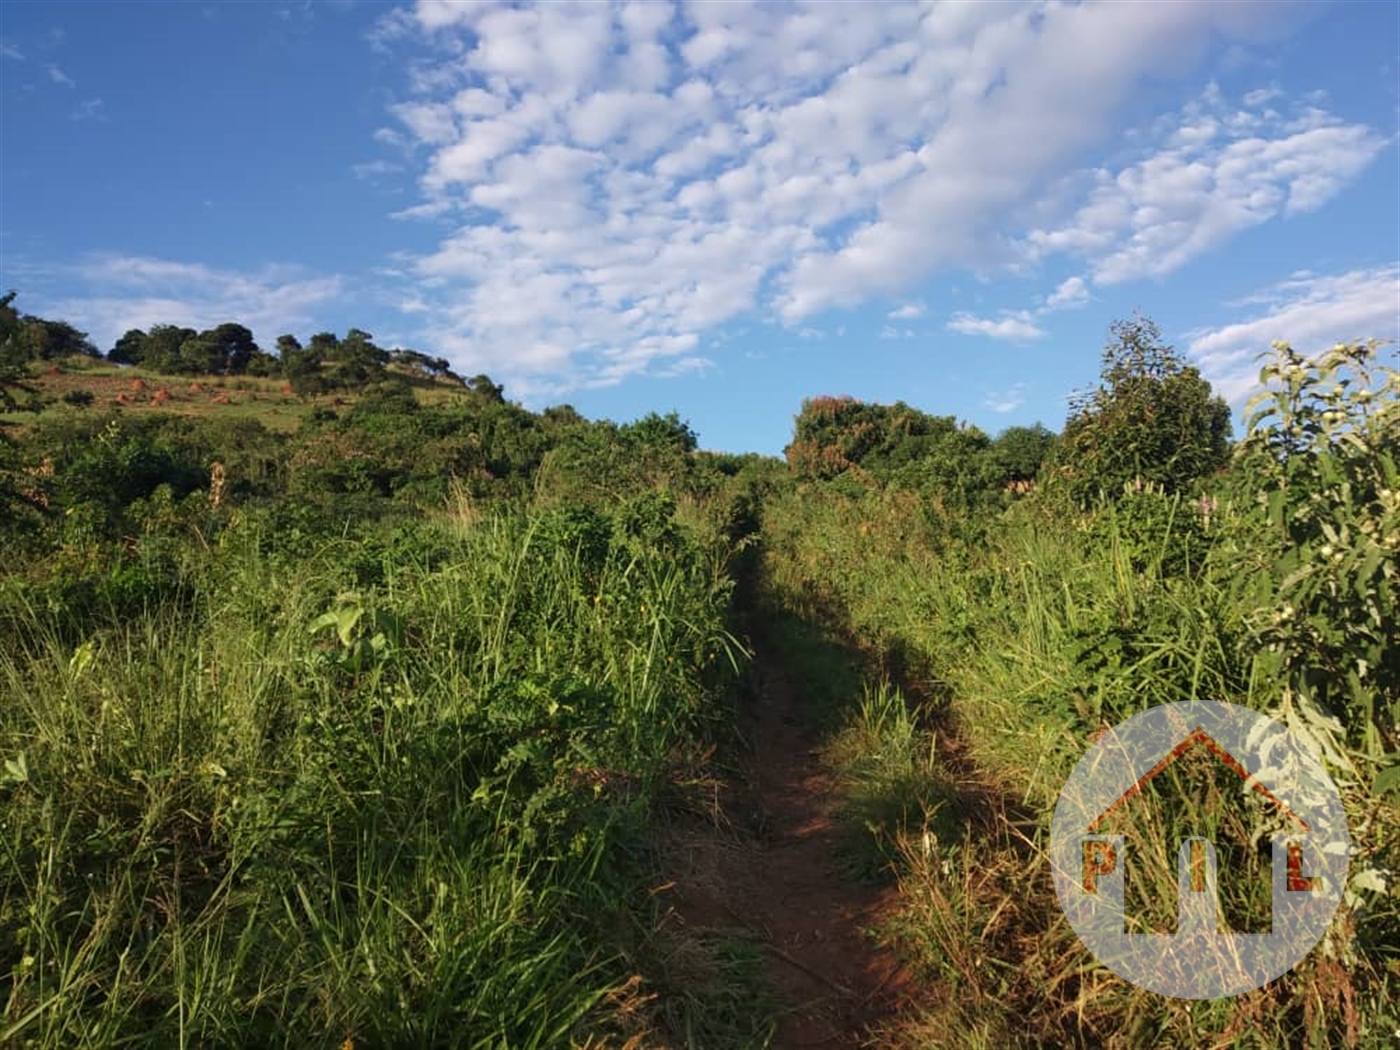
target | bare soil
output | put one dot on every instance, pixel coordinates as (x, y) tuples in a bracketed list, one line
[(775, 871)]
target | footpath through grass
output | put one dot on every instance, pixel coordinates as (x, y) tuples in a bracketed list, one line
[(321, 740), (1014, 642)]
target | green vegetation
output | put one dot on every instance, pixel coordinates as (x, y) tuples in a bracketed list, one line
[(389, 787), (1021, 631), (1152, 420), (344, 698)]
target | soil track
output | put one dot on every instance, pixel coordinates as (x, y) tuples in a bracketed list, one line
[(776, 873)]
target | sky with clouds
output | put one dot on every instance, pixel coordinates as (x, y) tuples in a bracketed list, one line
[(719, 208)]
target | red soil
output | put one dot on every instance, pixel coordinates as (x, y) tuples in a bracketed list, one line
[(785, 886)]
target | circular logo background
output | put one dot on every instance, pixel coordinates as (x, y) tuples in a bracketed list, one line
[(1279, 788)]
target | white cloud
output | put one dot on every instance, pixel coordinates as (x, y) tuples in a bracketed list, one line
[(1309, 311), (1262, 96), (617, 179), (433, 124), (59, 77), (1219, 172), (1071, 293), (686, 366), (1022, 95), (10, 51), (89, 109), (120, 292), (388, 137), (430, 209), (908, 312), (1015, 327), (1006, 400), (890, 331), (375, 169)]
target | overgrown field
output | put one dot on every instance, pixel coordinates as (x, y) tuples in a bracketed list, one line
[(1020, 631), (392, 791), (354, 725)]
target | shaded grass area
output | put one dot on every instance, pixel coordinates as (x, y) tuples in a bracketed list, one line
[(1019, 643), (710, 989), (893, 781)]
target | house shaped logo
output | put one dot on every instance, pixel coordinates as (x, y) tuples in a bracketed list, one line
[(1310, 848)]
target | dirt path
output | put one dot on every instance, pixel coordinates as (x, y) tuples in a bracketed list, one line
[(777, 874)]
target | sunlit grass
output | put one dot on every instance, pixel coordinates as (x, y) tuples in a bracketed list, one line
[(223, 828)]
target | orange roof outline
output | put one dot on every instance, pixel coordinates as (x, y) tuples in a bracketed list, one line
[(1199, 736)]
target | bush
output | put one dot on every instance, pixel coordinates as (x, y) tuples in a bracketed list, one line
[(1152, 420), (1321, 453), (1164, 535)]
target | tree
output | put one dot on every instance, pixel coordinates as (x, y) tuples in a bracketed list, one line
[(1019, 452), (483, 385), (432, 367), (1153, 420), (325, 345), (302, 365), (562, 416), (234, 348), (225, 350), (893, 443), (161, 352), (16, 505), (14, 358), (200, 355), (54, 340), (261, 363), (358, 360), (130, 349), (668, 433)]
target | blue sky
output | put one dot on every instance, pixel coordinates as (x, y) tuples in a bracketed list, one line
[(716, 208)]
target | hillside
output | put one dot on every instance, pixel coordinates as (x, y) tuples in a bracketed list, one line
[(389, 713), (80, 383)]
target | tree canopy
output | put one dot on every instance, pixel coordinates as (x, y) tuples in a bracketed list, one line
[(1152, 420)]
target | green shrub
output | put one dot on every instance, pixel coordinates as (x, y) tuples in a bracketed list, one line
[(1321, 453), (1152, 420)]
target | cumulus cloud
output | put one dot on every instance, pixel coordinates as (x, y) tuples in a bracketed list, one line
[(615, 180), (1014, 326), (1310, 311), (59, 77), (1071, 293), (908, 312), (10, 51), (120, 292), (1218, 172)]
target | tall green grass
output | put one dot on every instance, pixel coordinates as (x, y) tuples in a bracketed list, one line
[(1023, 636), (369, 794)]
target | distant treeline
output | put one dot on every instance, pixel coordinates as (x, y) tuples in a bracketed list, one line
[(326, 362), (1154, 420)]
